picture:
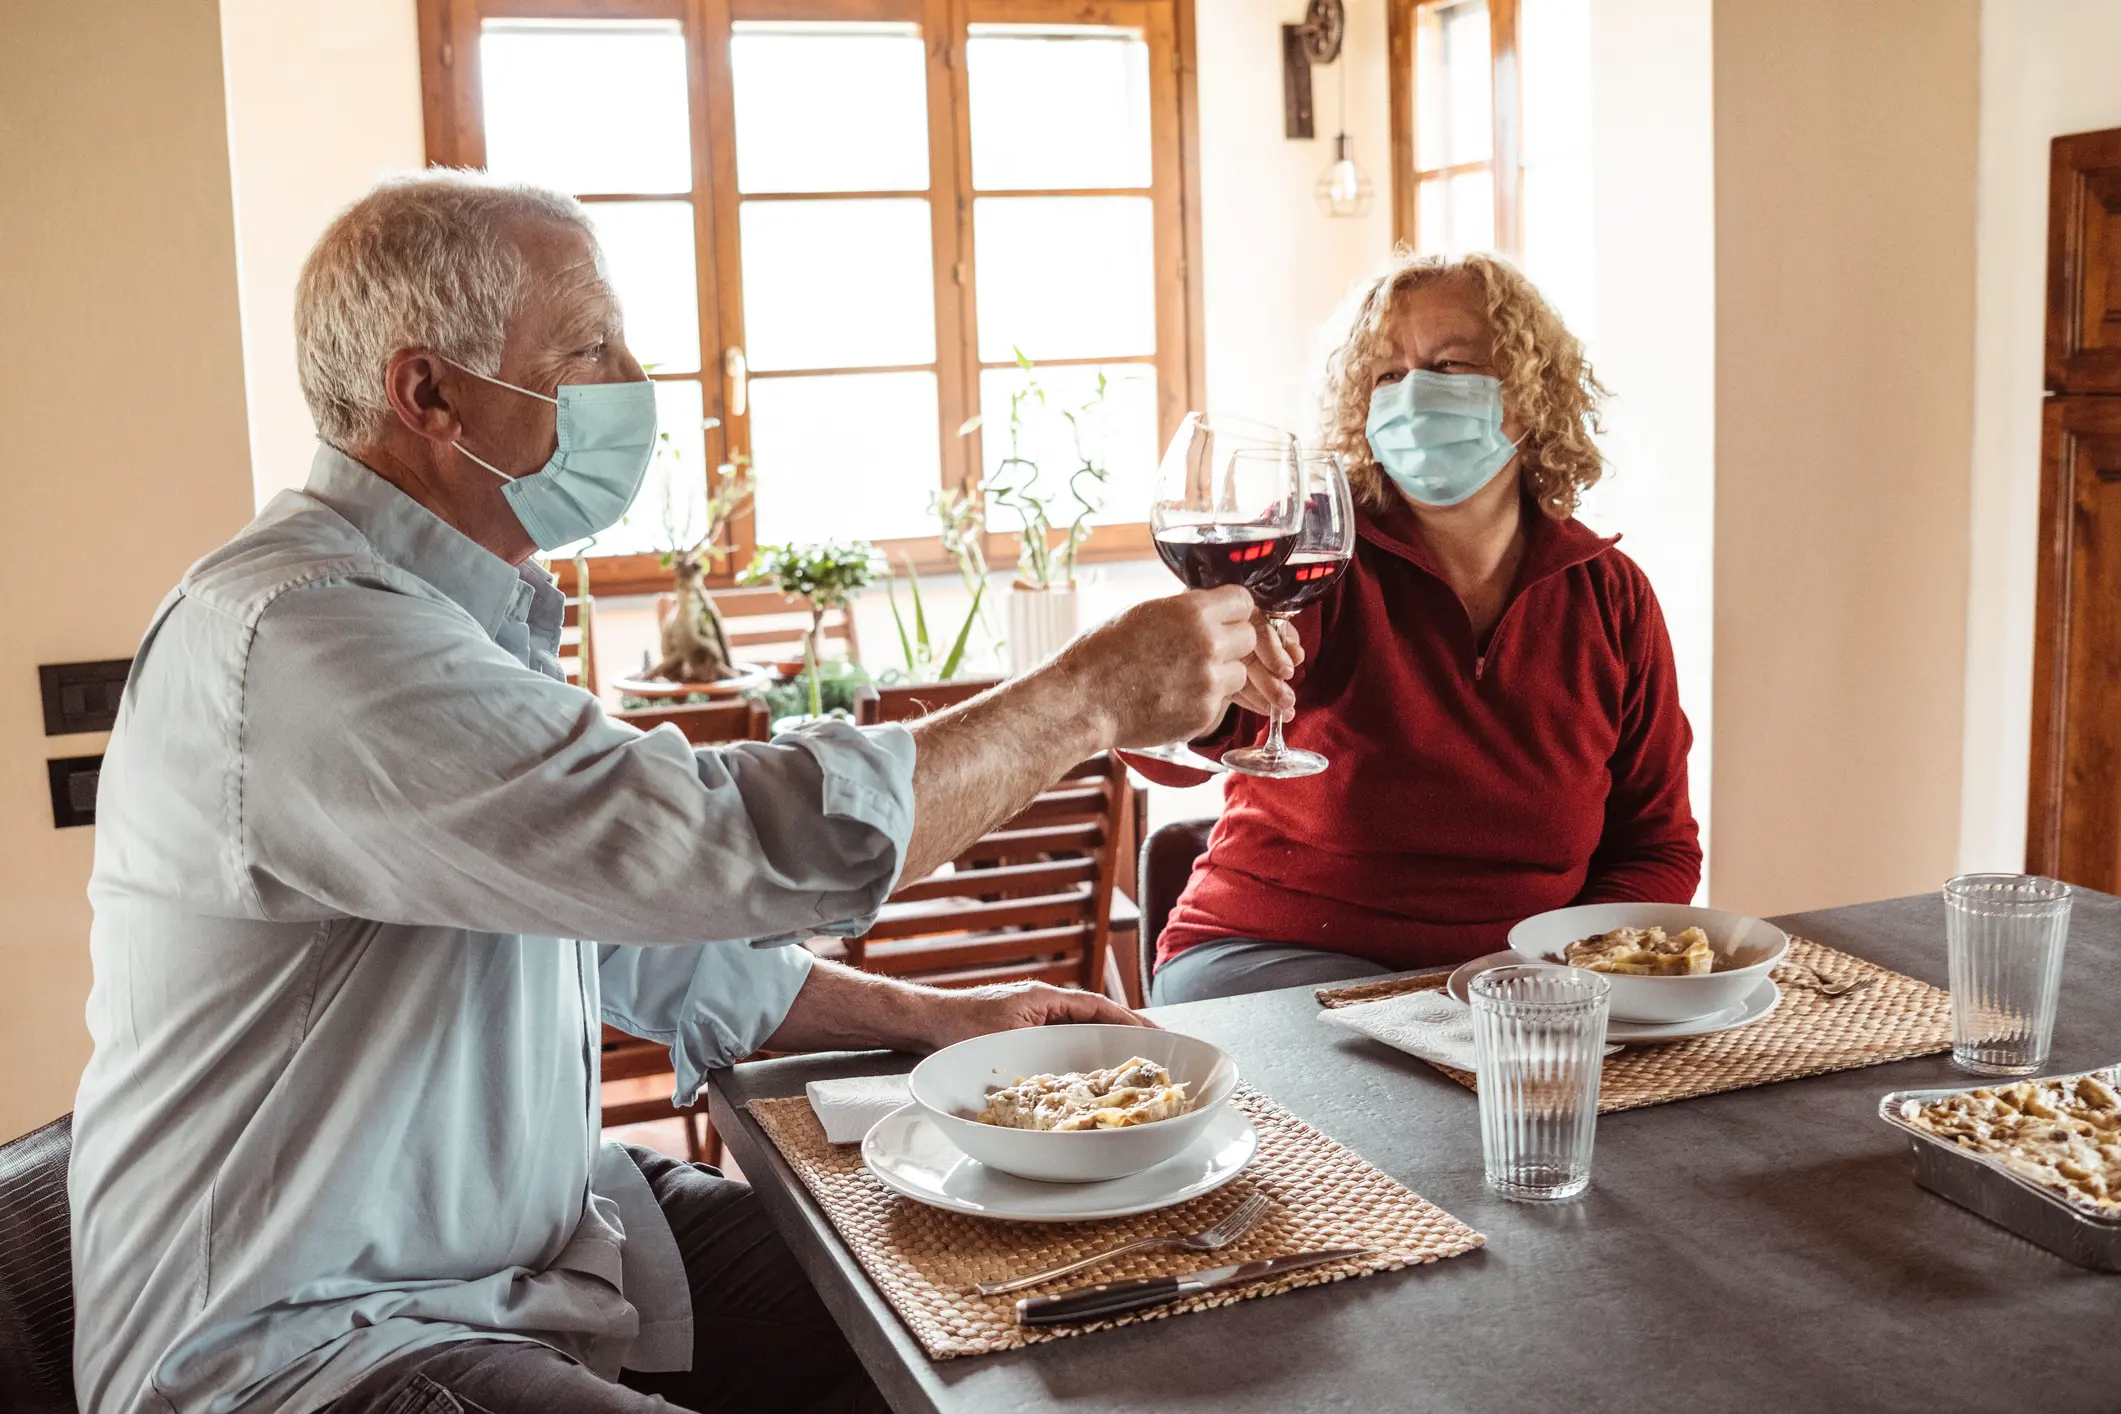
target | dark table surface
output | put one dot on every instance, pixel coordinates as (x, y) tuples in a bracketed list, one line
[(1763, 1250)]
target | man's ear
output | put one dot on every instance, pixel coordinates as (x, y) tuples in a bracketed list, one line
[(422, 389)]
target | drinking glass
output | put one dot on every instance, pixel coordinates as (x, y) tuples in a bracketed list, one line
[(1225, 511), (1539, 1044), (2006, 933), (1324, 543)]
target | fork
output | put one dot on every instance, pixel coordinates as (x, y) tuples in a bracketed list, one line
[(1831, 986), (1234, 1225)]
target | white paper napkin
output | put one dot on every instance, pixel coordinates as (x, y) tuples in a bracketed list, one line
[(847, 1108), (1433, 1025)]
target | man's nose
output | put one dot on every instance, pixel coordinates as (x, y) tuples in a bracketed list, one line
[(625, 365)]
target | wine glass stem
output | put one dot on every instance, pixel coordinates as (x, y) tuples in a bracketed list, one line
[(1272, 747)]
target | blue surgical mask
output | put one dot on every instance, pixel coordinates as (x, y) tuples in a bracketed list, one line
[(1439, 435), (607, 439)]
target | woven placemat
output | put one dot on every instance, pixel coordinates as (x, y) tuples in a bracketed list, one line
[(1892, 1018), (924, 1259)]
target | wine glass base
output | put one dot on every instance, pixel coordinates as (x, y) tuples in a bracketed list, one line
[(1285, 764)]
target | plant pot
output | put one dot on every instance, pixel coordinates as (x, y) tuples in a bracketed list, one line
[(1041, 623), (748, 676)]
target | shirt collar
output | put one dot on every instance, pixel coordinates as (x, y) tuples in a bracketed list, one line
[(408, 535)]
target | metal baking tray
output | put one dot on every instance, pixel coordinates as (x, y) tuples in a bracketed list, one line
[(1981, 1184)]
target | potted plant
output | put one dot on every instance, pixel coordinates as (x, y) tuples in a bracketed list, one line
[(696, 661), (918, 648), (824, 577), (1042, 601)]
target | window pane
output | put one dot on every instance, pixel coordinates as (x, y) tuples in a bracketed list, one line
[(1453, 85), (649, 253), (830, 107), (852, 456), (1058, 107), (587, 106), (671, 508), (1456, 214), (1064, 276), (838, 284), (1122, 433)]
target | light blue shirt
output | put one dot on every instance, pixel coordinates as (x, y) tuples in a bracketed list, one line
[(343, 1101)]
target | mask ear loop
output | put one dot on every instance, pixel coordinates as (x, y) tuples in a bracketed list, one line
[(498, 383)]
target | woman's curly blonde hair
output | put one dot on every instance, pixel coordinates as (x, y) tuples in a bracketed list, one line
[(1546, 381)]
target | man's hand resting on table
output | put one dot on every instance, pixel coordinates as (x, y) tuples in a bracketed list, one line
[(842, 1008)]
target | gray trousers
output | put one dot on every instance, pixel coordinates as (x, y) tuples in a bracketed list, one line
[(762, 1340), (1229, 967)]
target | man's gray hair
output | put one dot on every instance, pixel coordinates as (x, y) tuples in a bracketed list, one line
[(421, 262)]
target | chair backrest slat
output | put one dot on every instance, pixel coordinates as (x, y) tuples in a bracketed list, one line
[(1003, 881), (707, 723)]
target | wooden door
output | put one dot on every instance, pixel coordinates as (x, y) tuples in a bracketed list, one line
[(2073, 826), (2084, 264)]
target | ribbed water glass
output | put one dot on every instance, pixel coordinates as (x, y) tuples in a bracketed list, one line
[(2006, 933), (1539, 1040)]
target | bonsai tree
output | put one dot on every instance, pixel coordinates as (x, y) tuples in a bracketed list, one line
[(694, 643), (825, 577)]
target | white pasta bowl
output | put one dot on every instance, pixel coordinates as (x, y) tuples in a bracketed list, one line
[(951, 1087), (1747, 949)]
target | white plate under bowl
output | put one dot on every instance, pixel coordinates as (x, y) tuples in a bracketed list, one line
[(909, 1153), (1763, 999), (1746, 949)]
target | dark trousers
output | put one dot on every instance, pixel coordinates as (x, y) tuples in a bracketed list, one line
[(762, 1340)]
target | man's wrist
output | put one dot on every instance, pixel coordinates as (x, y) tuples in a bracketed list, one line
[(1084, 693)]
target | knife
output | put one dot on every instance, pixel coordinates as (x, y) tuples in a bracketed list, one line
[(1112, 1298)]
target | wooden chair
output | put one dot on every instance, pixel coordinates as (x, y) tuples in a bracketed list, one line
[(908, 702), (765, 624), (628, 1058), (578, 657), (1167, 858), (708, 723), (1032, 899)]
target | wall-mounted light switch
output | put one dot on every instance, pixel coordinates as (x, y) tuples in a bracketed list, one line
[(82, 697), (74, 781)]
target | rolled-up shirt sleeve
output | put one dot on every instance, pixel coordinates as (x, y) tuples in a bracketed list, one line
[(439, 781), (712, 1004)]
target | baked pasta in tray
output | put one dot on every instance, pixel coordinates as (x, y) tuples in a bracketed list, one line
[(2064, 1135), (1135, 1092)]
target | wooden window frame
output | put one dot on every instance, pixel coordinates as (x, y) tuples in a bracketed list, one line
[(453, 112), (1505, 160)]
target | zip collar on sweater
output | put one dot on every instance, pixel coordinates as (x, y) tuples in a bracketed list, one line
[(1551, 546)]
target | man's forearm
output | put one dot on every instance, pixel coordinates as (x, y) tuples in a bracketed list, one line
[(981, 762), (840, 1007)]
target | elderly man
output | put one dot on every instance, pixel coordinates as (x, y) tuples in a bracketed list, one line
[(338, 1143)]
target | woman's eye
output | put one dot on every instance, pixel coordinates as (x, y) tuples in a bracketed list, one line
[(1392, 376)]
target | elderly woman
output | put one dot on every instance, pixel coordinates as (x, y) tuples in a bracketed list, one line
[(1492, 681)]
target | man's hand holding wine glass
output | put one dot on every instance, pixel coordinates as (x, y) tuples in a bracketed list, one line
[(1168, 669)]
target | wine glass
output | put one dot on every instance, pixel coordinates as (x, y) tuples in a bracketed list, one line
[(1225, 511), (1324, 543)]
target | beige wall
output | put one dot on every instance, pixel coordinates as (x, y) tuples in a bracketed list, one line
[(323, 101), (122, 446), (1845, 175), (1276, 266), (2047, 68)]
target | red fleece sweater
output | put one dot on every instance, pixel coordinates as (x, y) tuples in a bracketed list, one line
[(1472, 785)]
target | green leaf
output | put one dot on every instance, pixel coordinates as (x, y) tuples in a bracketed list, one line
[(970, 425), (1021, 361), (920, 615), (903, 645), (957, 649)]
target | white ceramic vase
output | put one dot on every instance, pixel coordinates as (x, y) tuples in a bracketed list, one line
[(1041, 623)]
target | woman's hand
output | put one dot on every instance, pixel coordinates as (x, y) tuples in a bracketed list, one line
[(1273, 663)]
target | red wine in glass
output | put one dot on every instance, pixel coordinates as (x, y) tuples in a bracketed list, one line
[(1304, 576), (1211, 556)]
